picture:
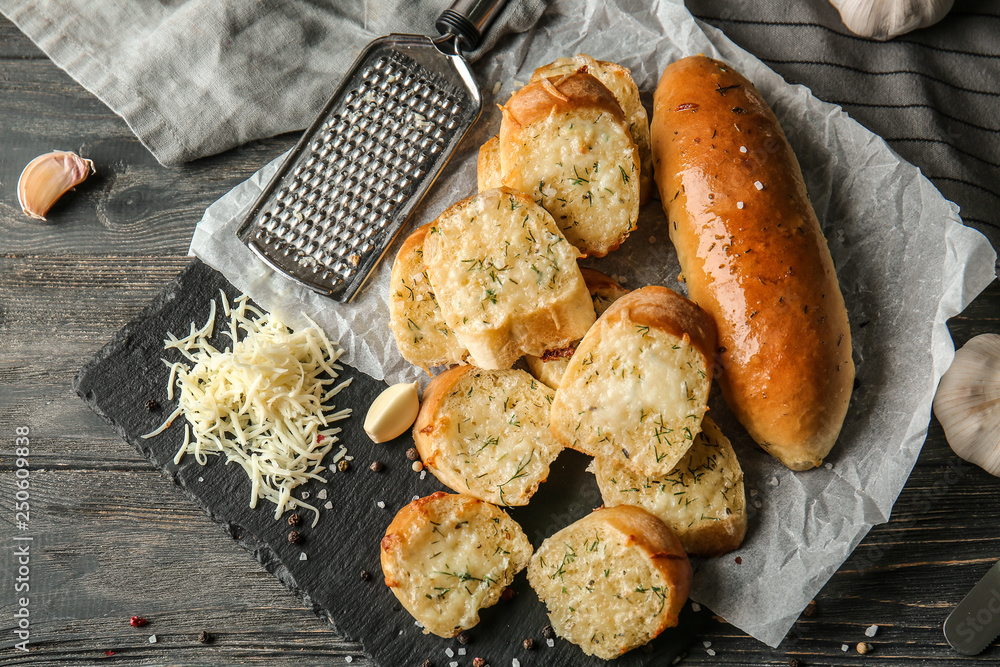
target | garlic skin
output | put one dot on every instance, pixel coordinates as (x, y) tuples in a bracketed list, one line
[(885, 19), (47, 178), (967, 403), (393, 412)]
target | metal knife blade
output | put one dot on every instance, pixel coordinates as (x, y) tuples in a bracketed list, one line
[(975, 622)]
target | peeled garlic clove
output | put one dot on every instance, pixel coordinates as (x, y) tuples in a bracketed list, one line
[(967, 403), (47, 178), (393, 412), (885, 19)]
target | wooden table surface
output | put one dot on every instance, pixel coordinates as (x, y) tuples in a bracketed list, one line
[(112, 538)]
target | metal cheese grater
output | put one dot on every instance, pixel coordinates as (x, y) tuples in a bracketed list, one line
[(333, 208)]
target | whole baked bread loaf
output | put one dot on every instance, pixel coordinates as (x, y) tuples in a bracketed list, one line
[(565, 141), (550, 367), (753, 255), (637, 386), (619, 81), (612, 581), (702, 499), (446, 556), (486, 433), (506, 278), (422, 336)]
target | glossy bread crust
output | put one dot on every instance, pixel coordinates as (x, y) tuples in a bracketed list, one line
[(754, 257)]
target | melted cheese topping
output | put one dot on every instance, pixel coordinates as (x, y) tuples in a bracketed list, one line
[(259, 403), (601, 594), (584, 173), (497, 437), (704, 488), (498, 257), (421, 333), (455, 563), (638, 394)]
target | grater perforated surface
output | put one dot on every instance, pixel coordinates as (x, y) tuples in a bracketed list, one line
[(339, 200)]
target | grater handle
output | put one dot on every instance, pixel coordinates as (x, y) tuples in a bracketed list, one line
[(468, 20)]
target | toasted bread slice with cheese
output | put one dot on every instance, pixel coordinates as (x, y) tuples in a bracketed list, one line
[(637, 386), (447, 556), (486, 433), (488, 165), (422, 336), (566, 141), (612, 581), (549, 367), (506, 278), (619, 81), (702, 499)]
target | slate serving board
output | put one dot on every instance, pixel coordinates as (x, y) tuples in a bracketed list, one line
[(128, 371)]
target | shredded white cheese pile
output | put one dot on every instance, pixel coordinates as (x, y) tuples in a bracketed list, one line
[(259, 403)]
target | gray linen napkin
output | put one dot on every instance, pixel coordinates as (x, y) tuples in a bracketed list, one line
[(196, 77), (932, 94)]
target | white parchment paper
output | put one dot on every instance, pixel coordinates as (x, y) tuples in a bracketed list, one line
[(905, 261)]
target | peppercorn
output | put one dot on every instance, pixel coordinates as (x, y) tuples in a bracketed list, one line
[(295, 537), (793, 663), (152, 405), (864, 647), (137, 621), (528, 644), (507, 595), (464, 638), (343, 465), (417, 466), (412, 454), (365, 575), (204, 637), (294, 520), (810, 609), (428, 663), (376, 466), (548, 632), (478, 662)]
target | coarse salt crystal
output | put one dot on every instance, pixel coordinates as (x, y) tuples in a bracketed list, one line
[(152, 639), (201, 479), (550, 642), (322, 494), (695, 607), (328, 505), (707, 644), (753, 492), (423, 474), (415, 497), (870, 632), (381, 505), (739, 204), (302, 556), (757, 504), (515, 662), (348, 658), (828, 466), (453, 663), (758, 185), (449, 652), (774, 481), (461, 651), (743, 149), (843, 647), (418, 624), (305, 495), (710, 651)]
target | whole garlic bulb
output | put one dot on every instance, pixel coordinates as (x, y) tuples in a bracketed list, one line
[(967, 403), (885, 19)]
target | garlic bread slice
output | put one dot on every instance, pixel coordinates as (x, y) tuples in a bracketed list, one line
[(636, 388), (549, 367), (506, 278), (422, 336), (702, 499), (619, 81), (486, 433), (612, 581), (565, 141), (447, 556)]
